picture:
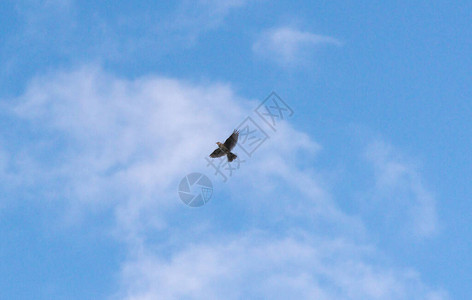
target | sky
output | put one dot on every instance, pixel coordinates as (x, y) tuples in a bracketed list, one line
[(359, 189)]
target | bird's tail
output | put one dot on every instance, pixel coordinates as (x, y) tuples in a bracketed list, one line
[(231, 156)]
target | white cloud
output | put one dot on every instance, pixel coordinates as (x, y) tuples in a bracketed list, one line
[(399, 191), (107, 143), (254, 266), (289, 47)]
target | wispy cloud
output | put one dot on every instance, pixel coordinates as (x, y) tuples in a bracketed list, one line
[(400, 191), (61, 32), (193, 18), (289, 46), (256, 266)]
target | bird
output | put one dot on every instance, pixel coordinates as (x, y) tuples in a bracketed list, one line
[(225, 149)]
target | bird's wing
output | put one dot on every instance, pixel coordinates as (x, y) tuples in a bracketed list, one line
[(232, 140), (217, 153)]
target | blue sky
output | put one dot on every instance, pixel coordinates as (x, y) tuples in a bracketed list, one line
[(362, 194)]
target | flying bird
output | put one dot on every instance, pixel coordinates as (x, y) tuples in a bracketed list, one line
[(225, 149)]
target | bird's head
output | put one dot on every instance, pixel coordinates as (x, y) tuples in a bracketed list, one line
[(218, 143)]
